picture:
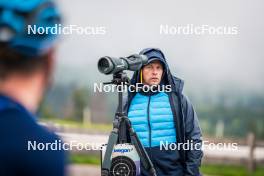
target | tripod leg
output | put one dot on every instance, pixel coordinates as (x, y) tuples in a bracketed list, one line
[(109, 149), (146, 162)]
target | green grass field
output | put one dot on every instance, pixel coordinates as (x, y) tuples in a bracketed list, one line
[(211, 170), (84, 159), (227, 170)]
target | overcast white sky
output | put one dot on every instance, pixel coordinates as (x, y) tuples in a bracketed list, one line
[(216, 60)]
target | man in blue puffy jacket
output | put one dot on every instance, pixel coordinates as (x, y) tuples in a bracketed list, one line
[(165, 121), (26, 62)]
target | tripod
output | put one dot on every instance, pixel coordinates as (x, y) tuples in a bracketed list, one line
[(123, 133)]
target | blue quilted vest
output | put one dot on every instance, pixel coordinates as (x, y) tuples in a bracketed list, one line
[(152, 119)]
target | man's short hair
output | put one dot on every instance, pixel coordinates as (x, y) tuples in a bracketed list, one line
[(12, 62)]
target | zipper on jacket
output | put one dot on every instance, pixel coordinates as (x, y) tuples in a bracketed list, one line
[(149, 122), (150, 152)]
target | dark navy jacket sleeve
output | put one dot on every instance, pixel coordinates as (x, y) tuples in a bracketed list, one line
[(16, 157), (192, 133)]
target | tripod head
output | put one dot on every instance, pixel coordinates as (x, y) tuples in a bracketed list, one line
[(119, 78)]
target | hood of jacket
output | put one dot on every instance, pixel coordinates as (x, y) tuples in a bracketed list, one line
[(167, 78)]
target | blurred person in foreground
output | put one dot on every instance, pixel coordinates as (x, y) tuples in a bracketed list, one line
[(26, 64), (159, 117)]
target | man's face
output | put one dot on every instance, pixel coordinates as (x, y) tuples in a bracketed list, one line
[(152, 73)]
